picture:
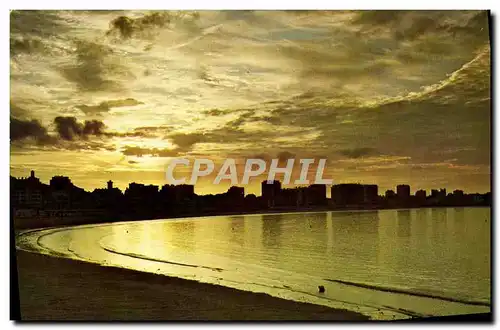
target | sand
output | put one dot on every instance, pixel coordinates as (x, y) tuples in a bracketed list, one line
[(53, 288)]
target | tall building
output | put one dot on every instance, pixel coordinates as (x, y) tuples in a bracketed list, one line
[(370, 193), (421, 194), (354, 194), (177, 193), (270, 192), (140, 192), (27, 192), (236, 193), (315, 194), (348, 194), (438, 195), (60, 183), (108, 197), (403, 191)]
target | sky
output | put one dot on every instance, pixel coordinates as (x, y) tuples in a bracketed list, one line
[(387, 97)]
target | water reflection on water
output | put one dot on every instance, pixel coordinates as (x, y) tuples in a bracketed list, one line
[(392, 258)]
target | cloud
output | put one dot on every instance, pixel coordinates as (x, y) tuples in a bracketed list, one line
[(25, 45), (93, 127), (329, 83), (186, 141), (22, 129), (410, 24), (357, 152), (31, 134), (142, 131), (154, 152), (105, 106), (40, 23), (215, 112), (17, 111), (70, 129), (146, 25), (127, 27), (94, 67)]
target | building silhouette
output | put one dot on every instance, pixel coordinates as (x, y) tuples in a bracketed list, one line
[(316, 194), (354, 194), (270, 192), (28, 192), (110, 198), (370, 194), (61, 202), (390, 194), (177, 193), (236, 193), (403, 191), (347, 194), (421, 194), (421, 197)]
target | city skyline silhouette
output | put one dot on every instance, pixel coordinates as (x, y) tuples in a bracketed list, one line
[(33, 202)]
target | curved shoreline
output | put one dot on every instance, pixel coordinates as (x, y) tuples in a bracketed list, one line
[(52, 288), (45, 251), (359, 305), (103, 221)]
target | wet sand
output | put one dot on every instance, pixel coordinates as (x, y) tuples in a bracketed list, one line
[(53, 288)]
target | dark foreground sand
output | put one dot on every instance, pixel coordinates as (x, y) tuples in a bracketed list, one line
[(60, 289)]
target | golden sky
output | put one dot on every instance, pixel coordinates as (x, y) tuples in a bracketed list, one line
[(388, 97)]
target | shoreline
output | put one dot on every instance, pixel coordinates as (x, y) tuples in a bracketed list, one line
[(17, 228), (50, 287)]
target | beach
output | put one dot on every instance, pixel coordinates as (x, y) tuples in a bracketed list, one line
[(52, 289)]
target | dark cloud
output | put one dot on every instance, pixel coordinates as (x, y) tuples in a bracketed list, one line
[(25, 45), (26, 133), (410, 24), (22, 129), (186, 141), (148, 25), (394, 46), (215, 112), (93, 127), (128, 27), (39, 23), (72, 134), (153, 129), (93, 68), (154, 152), (124, 25), (93, 109), (107, 105), (357, 152), (130, 134), (70, 129)]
